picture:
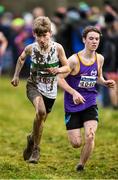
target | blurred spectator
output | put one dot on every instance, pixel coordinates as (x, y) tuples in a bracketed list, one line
[(23, 37), (110, 13), (10, 53), (57, 20), (110, 68), (58, 17), (70, 32), (85, 11), (96, 18), (28, 18), (3, 46), (109, 8), (113, 69), (18, 28), (38, 11), (2, 9), (108, 48)]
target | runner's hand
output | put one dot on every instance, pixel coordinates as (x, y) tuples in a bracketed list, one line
[(15, 81), (53, 70), (78, 98), (110, 83)]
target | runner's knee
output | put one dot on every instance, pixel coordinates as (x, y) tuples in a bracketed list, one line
[(76, 143), (40, 113), (90, 137)]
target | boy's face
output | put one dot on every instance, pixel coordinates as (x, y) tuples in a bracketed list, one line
[(43, 39), (92, 41)]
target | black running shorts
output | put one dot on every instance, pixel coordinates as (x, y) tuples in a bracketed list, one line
[(75, 120)]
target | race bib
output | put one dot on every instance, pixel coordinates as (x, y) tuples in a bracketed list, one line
[(46, 82), (87, 81)]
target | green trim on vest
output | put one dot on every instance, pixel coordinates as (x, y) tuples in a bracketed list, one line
[(42, 75), (42, 66)]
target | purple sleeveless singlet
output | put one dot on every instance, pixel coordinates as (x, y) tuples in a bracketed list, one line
[(84, 82)]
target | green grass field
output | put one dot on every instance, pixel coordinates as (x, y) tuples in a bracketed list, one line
[(58, 159)]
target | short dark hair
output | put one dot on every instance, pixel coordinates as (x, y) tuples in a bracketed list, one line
[(90, 29)]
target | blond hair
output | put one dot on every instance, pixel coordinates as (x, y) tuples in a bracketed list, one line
[(41, 25)]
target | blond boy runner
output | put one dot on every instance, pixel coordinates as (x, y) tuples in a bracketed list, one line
[(47, 60)]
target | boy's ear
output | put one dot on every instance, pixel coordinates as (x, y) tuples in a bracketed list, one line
[(83, 39)]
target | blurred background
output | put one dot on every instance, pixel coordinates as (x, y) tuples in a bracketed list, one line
[(49, 6), (69, 18)]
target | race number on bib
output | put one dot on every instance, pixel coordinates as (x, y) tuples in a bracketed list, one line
[(45, 82), (87, 81)]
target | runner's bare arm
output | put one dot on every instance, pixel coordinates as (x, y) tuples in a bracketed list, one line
[(19, 65), (109, 83), (72, 62), (77, 98), (101, 79), (21, 60)]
